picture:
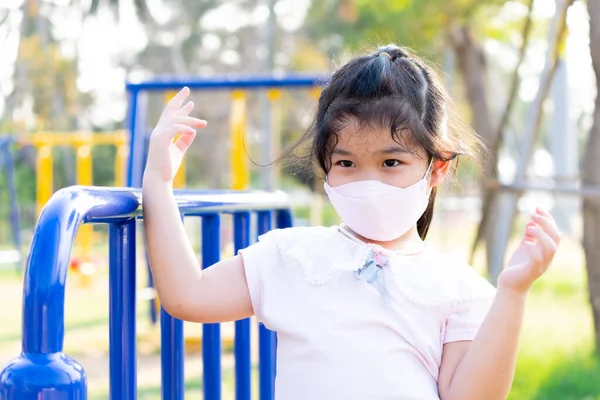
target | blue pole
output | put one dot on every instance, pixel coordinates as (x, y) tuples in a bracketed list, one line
[(122, 316), (133, 139), (284, 219), (266, 339), (172, 355), (138, 138), (232, 82), (241, 221), (211, 333)]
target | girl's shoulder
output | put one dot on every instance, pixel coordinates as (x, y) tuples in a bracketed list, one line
[(436, 278)]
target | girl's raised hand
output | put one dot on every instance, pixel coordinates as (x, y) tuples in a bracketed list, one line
[(534, 254), (166, 150)]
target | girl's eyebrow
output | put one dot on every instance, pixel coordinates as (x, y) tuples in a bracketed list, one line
[(393, 150), (341, 152)]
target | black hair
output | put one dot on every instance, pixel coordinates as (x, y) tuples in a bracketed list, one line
[(389, 88)]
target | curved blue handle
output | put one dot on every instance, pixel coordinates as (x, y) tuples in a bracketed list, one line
[(46, 273)]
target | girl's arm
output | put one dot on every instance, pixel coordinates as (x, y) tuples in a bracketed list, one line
[(484, 368), (217, 294)]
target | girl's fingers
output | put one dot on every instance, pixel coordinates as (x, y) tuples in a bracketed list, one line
[(548, 244), (172, 130), (183, 142), (547, 224), (529, 236), (190, 121), (177, 100), (186, 109), (543, 212)]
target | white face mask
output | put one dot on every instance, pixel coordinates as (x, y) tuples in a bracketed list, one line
[(378, 211)]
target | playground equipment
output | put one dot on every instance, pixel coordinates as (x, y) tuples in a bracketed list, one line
[(239, 86), (7, 163), (43, 371), (83, 143), (240, 174)]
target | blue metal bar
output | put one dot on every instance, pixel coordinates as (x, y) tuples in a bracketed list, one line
[(230, 82), (122, 316), (124, 203), (46, 272), (284, 218), (110, 204), (243, 367), (133, 138), (211, 333), (137, 139), (266, 338), (42, 368), (172, 355), (198, 203)]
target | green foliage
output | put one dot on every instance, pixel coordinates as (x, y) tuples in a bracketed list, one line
[(24, 182), (419, 24), (561, 376), (51, 80), (103, 159)]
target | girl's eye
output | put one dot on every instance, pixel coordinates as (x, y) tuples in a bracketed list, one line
[(391, 163), (345, 164)]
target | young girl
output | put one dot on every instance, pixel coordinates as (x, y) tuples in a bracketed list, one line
[(364, 310)]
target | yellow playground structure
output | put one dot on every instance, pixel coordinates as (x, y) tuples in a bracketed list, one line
[(83, 144)]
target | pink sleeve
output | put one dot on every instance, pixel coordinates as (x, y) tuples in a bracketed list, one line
[(464, 322), (259, 259), (469, 313)]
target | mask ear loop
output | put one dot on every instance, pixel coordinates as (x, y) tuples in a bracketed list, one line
[(428, 168), (427, 173)]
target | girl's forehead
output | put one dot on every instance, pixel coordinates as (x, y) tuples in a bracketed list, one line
[(371, 139)]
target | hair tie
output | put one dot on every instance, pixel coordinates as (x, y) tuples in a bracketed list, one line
[(386, 53)]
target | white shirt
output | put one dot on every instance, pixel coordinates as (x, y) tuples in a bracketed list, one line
[(341, 337)]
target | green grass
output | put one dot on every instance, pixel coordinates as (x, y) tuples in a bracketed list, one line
[(560, 377), (556, 359)]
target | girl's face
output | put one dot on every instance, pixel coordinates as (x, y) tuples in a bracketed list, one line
[(374, 155)]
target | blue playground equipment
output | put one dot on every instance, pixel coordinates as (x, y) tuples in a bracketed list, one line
[(44, 372), (7, 163)]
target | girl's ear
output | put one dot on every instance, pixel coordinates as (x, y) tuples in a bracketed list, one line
[(439, 171)]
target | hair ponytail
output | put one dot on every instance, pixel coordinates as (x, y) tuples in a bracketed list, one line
[(425, 221)]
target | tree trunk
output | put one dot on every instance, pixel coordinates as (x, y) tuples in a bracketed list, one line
[(590, 177), (470, 61), (490, 194)]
